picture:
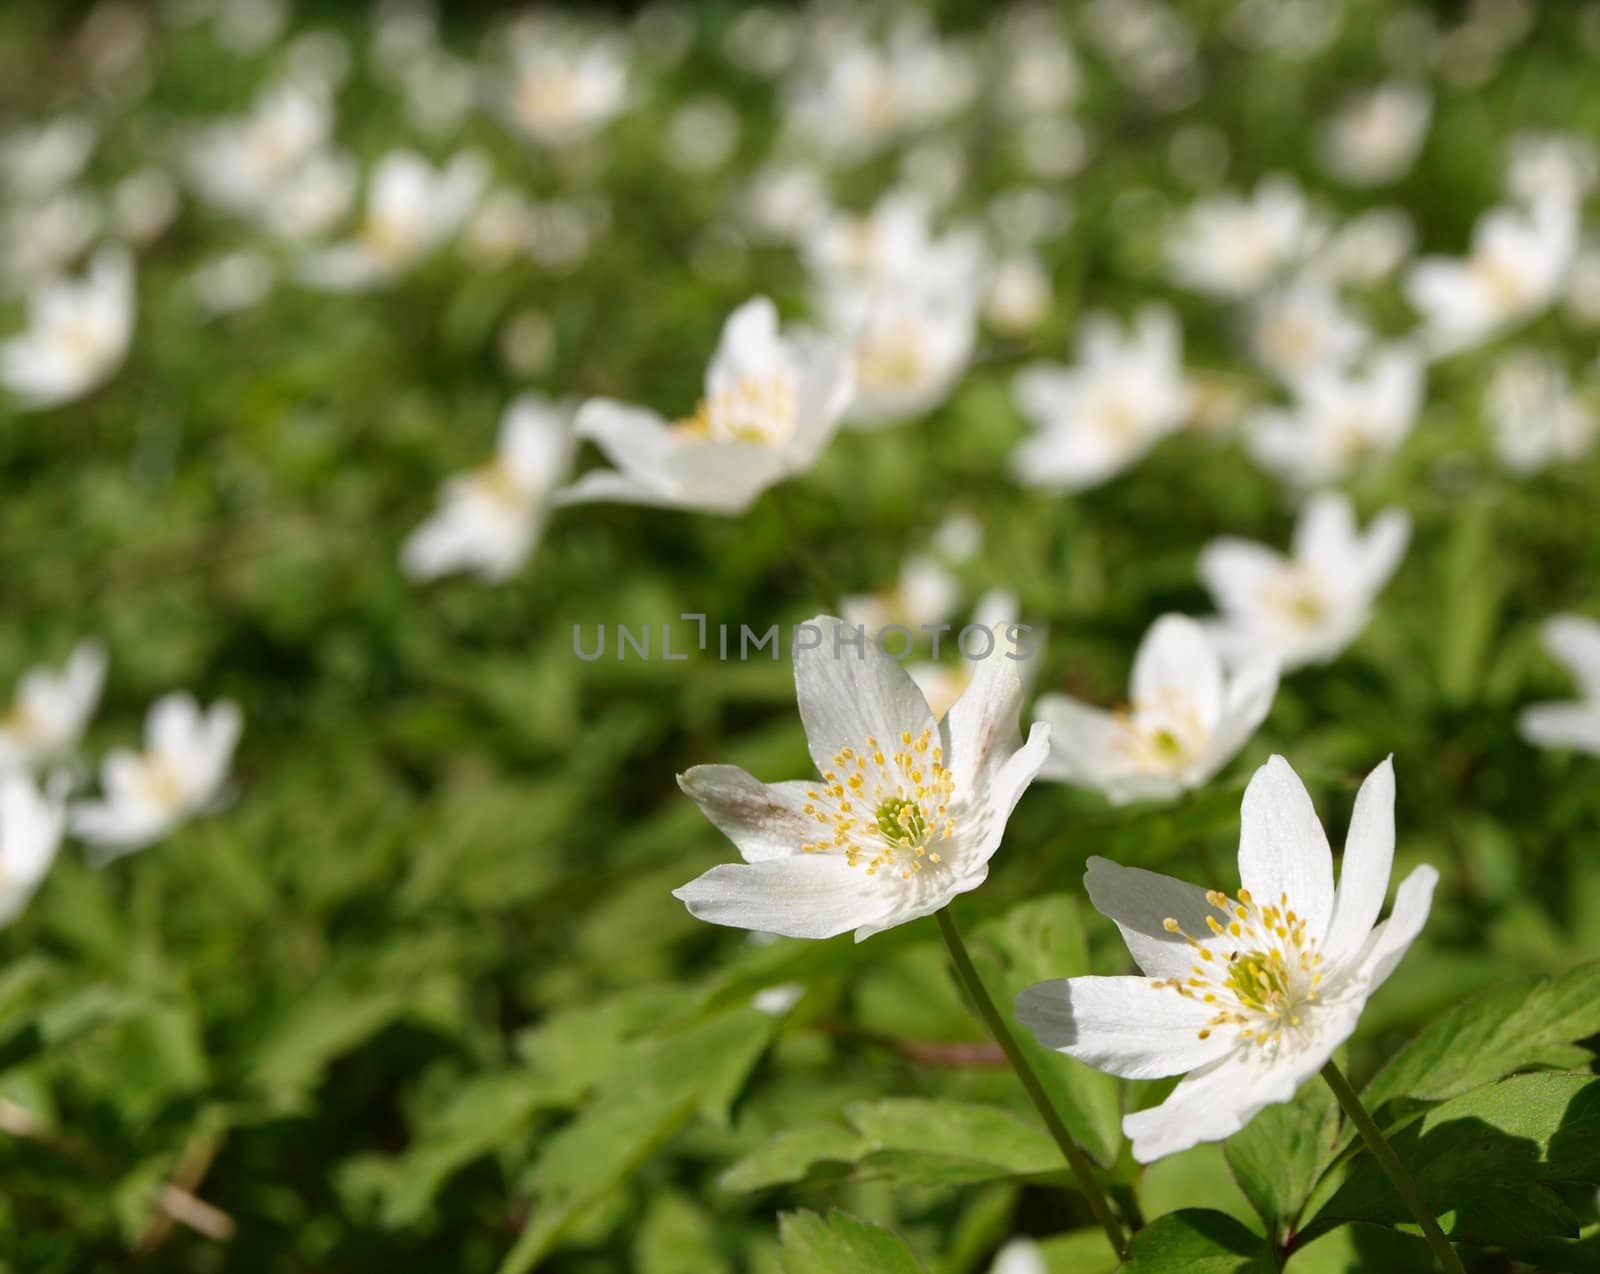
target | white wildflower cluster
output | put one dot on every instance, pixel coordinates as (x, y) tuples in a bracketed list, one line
[(144, 795), (880, 279)]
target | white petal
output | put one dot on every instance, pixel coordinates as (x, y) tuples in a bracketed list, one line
[(1382, 549), (1364, 873), (1140, 902), (1209, 1105), (764, 820), (1080, 739), (724, 477), (803, 896), (1246, 703), (749, 346), (1215, 1102), (984, 822), (982, 726), (1233, 571), (633, 438), (1326, 532), (1391, 939), (536, 442), (171, 727), (1123, 1026), (1575, 642), (826, 389), (1176, 657), (1283, 850), (1562, 725), (848, 693), (607, 486)]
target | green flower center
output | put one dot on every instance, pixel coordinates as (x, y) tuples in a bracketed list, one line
[(1259, 980), (902, 822)]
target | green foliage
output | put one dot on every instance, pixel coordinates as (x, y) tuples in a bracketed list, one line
[(1198, 1241), (840, 1244), (1509, 1165), (907, 1140), (417, 994)]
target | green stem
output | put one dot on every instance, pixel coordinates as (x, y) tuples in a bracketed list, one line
[(1384, 1153), (967, 973), (803, 554)]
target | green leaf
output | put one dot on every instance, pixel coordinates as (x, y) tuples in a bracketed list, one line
[(660, 1084), (1490, 1163), (1035, 942), (1279, 1156), (1524, 1024), (485, 1113), (840, 1244), (796, 1154), (69, 1018), (908, 1140), (1198, 1241)]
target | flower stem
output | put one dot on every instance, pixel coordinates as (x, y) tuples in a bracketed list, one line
[(828, 595), (1384, 1153), (967, 973)]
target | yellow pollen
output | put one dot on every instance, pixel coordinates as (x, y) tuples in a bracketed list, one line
[(1266, 974), (761, 410), (905, 807)]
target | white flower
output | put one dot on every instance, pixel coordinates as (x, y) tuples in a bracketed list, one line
[(563, 89), (1583, 287), (784, 201), (908, 350), (1536, 417), (1574, 641), (489, 520), (180, 774), (500, 229), (438, 90), (1247, 996), (906, 815), (1303, 328), (1042, 72), (702, 136), (1306, 608), (904, 298), (78, 333), (31, 824), (233, 282), (51, 708), (1340, 420), (926, 593), (1231, 247), (40, 241), (943, 684), (771, 404), (1019, 294), (1374, 139), (241, 163), (1517, 268), (1094, 419), (411, 209), (309, 201), (862, 96), (892, 249), (1019, 1256), (1554, 166), (1366, 250), (1186, 719), (958, 537), (37, 162)]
